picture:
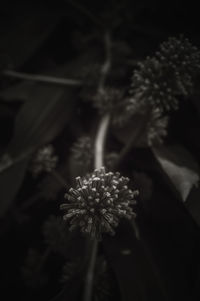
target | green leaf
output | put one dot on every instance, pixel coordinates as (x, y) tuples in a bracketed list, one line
[(180, 167)]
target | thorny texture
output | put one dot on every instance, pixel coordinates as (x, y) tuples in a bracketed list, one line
[(98, 203), (182, 59), (44, 160), (160, 79)]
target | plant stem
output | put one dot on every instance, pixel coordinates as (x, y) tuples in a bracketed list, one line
[(100, 141), (99, 154), (42, 78), (98, 163), (87, 294)]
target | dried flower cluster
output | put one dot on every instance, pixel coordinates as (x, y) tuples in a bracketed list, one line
[(152, 85), (82, 151), (183, 61), (160, 79), (98, 202), (44, 160)]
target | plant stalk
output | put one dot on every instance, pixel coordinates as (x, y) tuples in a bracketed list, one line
[(98, 163), (42, 78)]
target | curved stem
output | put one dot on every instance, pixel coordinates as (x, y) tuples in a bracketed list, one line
[(100, 141)]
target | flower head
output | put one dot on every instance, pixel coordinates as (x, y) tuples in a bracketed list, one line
[(169, 73), (151, 84), (44, 160), (98, 202), (182, 59)]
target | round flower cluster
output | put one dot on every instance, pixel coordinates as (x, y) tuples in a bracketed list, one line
[(151, 84), (160, 79), (182, 59), (44, 160), (98, 202)]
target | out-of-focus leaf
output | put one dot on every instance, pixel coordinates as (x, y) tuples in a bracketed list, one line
[(193, 204), (180, 167), (41, 118), (37, 123), (10, 182), (137, 274), (19, 92)]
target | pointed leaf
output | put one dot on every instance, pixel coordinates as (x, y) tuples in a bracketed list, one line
[(180, 167), (41, 118)]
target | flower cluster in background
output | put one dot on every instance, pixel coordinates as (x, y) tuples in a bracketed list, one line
[(171, 72), (44, 160), (83, 153)]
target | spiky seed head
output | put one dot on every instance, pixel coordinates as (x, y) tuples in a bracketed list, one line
[(169, 73), (98, 203), (151, 84)]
